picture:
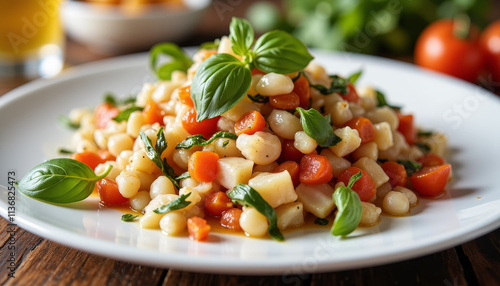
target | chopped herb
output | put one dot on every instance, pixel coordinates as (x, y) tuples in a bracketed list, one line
[(64, 120), (65, 151), (210, 45), (423, 133), (410, 166), (258, 98), (177, 204), (338, 84), (129, 217), (381, 101), (183, 176), (353, 78), (125, 114), (224, 144), (426, 148), (199, 140), (321, 221), (179, 60)]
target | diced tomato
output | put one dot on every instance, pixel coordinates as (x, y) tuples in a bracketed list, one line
[(352, 95), (407, 128), (217, 202), (430, 181), (293, 169), (153, 113), (257, 71), (315, 169), (364, 127), (104, 113), (289, 152), (198, 228), (288, 101), (249, 123), (430, 160), (396, 173), (185, 95), (109, 193), (206, 127), (202, 166), (89, 158), (231, 219), (302, 89), (106, 155), (364, 187)]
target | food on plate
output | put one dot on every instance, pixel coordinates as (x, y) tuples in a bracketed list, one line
[(251, 135)]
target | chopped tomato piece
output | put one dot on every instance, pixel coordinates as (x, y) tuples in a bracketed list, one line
[(407, 128), (104, 113), (185, 95), (289, 152), (396, 173), (217, 202), (198, 228), (293, 169), (106, 155), (301, 88), (315, 169), (257, 71), (288, 101), (249, 123), (153, 113), (430, 181), (231, 219), (202, 166), (364, 187), (206, 127), (109, 193), (430, 160), (364, 127), (352, 95), (90, 159)]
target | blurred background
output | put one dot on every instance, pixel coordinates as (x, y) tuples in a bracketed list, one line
[(97, 29)]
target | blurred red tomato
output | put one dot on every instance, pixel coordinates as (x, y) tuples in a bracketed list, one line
[(490, 43)]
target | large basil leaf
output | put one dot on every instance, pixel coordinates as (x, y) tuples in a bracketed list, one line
[(241, 35), (280, 52), (60, 180), (317, 127), (220, 82)]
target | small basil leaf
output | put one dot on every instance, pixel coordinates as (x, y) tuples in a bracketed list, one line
[(177, 204), (154, 153), (110, 98), (199, 140), (65, 151), (64, 120), (179, 61), (220, 82), (246, 195), (317, 127), (338, 84), (258, 98), (241, 35), (321, 221), (424, 133), (129, 217), (60, 180), (279, 52), (381, 101), (410, 166), (210, 45), (125, 114), (349, 208), (426, 148), (353, 78), (183, 176)]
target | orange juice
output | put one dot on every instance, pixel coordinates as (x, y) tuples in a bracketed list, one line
[(30, 30)]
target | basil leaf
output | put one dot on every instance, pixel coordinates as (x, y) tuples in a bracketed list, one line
[(349, 208), (154, 153), (426, 148), (338, 84), (321, 221), (183, 176), (177, 204), (129, 217), (210, 45), (423, 133), (381, 101), (241, 35), (125, 114), (179, 61), (258, 98), (65, 151), (64, 120), (246, 195), (199, 140), (110, 98), (60, 180), (317, 127), (279, 52), (353, 78), (220, 82), (410, 166)]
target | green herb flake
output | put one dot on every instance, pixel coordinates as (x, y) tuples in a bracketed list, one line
[(177, 204), (125, 114), (318, 127), (129, 217), (199, 140), (353, 78), (247, 196), (410, 166), (321, 221), (381, 101), (338, 84), (349, 208), (183, 176), (64, 120), (179, 60)]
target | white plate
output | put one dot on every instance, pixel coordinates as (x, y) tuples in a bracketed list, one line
[(466, 113)]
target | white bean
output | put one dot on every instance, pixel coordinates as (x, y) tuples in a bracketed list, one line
[(134, 123), (274, 84), (161, 186), (284, 124), (396, 203), (128, 183), (412, 197), (173, 223), (119, 142), (304, 143), (140, 201), (253, 222), (370, 214), (262, 147)]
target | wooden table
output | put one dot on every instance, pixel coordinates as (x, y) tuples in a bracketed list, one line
[(43, 262)]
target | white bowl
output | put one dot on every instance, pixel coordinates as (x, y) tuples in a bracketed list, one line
[(110, 29)]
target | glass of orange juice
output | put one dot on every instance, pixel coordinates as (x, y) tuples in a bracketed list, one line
[(32, 39)]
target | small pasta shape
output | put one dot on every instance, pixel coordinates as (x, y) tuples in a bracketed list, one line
[(128, 183)]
